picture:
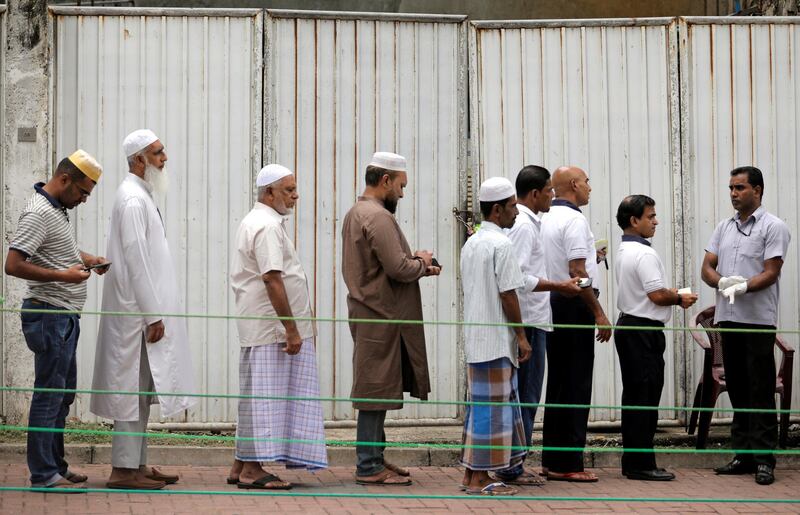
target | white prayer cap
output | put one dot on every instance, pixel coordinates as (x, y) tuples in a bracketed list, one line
[(138, 140), (496, 188), (388, 161), (271, 173)]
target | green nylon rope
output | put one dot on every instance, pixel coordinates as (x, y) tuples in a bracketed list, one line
[(397, 322), (403, 445), (396, 401), (349, 495)]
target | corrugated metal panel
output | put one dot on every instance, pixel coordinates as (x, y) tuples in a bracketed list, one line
[(599, 94), (339, 88), (196, 81), (2, 181), (741, 83)]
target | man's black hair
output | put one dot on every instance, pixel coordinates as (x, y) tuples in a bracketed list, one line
[(486, 207), (754, 176), (374, 174), (531, 177), (632, 206)]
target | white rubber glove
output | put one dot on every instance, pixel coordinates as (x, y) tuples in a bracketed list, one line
[(731, 292), (727, 282)]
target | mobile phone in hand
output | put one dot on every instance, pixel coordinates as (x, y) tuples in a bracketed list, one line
[(100, 265)]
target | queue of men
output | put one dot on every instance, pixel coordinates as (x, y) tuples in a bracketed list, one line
[(532, 263)]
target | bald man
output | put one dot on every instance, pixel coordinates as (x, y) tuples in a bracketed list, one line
[(570, 253)]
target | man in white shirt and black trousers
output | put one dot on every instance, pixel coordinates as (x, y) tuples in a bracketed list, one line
[(643, 300), (571, 253)]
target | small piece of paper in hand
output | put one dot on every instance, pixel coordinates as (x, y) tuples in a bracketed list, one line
[(686, 291)]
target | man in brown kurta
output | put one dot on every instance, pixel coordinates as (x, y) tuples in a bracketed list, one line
[(382, 277)]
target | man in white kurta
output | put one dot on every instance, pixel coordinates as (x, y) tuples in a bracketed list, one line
[(140, 353)]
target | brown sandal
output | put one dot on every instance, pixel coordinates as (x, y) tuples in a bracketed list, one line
[(574, 477), (266, 482), (385, 477), (400, 471)]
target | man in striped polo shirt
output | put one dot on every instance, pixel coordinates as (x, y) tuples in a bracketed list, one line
[(44, 252)]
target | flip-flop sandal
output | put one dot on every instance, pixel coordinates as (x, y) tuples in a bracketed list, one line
[(524, 479), (382, 479), (263, 482), (496, 488), (72, 477), (400, 471), (573, 477), (232, 480)]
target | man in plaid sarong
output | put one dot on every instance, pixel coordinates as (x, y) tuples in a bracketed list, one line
[(494, 438), (277, 357)]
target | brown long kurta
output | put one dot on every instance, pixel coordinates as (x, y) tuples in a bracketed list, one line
[(382, 277)]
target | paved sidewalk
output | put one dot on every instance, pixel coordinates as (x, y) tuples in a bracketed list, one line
[(690, 484)]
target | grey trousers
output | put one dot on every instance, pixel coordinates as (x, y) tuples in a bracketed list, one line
[(129, 452)]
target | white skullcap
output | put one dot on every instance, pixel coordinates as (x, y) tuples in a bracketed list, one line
[(496, 188), (271, 173), (137, 140), (388, 161)]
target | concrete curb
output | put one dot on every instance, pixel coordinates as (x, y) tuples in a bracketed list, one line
[(170, 455)]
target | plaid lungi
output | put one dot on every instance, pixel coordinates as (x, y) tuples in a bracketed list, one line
[(493, 381), (268, 371)]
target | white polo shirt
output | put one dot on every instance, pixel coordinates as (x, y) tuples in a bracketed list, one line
[(639, 271), (526, 235), (567, 236), (262, 245)]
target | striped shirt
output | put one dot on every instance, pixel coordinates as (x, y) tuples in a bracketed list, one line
[(489, 267), (46, 237)]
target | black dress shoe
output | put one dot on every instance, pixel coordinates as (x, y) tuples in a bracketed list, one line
[(765, 474), (649, 475), (735, 467)]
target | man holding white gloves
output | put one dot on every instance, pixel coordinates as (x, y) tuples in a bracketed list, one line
[(743, 261)]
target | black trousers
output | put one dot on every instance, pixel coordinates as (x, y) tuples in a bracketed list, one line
[(570, 361), (641, 360), (750, 378)]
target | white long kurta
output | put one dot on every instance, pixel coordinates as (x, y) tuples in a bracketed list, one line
[(141, 280)]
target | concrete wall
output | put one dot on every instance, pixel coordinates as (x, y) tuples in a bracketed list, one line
[(481, 9), (26, 104)]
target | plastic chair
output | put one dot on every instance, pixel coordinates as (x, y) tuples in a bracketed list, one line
[(712, 382)]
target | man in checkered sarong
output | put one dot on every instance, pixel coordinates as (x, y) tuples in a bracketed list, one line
[(277, 357)]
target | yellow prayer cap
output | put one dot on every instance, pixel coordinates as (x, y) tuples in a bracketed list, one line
[(86, 164)]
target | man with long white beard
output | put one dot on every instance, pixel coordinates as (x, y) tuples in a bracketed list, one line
[(145, 351)]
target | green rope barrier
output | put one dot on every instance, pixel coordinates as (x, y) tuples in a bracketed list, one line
[(397, 401), (402, 445), (397, 322), (368, 495)]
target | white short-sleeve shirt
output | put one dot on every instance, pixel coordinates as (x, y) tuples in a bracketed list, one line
[(488, 267), (526, 235), (567, 236), (639, 271), (262, 245)]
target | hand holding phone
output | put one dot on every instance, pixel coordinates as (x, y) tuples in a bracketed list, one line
[(99, 266)]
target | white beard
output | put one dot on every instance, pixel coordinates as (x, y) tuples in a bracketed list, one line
[(158, 179)]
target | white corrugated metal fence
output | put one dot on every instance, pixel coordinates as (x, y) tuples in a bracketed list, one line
[(319, 92)]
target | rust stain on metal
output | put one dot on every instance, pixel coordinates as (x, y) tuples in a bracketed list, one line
[(335, 198), (296, 122), (126, 33), (316, 151)]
